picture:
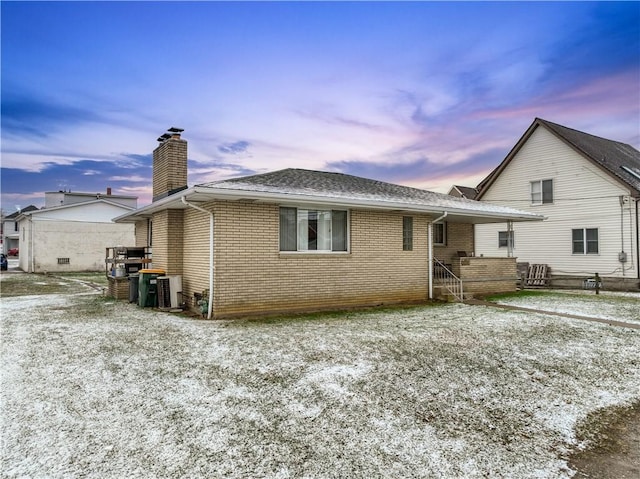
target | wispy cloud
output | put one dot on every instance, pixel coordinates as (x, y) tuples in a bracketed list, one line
[(415, 92), (234, 148), (37, 116)]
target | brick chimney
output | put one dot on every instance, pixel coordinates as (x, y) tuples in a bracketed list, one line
[(169, 164)]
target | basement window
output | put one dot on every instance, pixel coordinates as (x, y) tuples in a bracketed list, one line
[(63, 260)]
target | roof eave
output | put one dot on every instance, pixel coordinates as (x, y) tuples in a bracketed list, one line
[(207, 194)]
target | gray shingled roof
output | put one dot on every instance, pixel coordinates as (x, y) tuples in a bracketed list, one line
[(609, 155), (15, 214), (467, 191), (339, 186), (314, 188)]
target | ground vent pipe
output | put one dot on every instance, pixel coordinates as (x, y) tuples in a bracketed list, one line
[(211, 223)]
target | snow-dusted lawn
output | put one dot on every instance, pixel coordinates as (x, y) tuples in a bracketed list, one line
[(606, 305), (102, 389)]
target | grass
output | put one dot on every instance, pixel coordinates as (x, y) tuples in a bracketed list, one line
[(22, 284), (101, 388), (609, 305)]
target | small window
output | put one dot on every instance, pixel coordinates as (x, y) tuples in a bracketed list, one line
[(313, 230), (15, 226), (585, 241), (440, 234), (504, 237), (541, 192), (407, 233), (150, 232)]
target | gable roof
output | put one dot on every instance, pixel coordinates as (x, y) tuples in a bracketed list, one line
[(464, 191), (317, 188), (15, 214), (96, 211), (619, 160), (84, 204)]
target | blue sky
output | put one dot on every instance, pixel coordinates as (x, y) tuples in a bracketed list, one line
[(426, 94)]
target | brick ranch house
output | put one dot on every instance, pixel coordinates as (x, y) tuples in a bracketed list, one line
[(301, 240)]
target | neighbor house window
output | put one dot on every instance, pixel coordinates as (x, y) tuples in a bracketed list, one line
[(407, 233), (541, 192), (585, 241), (313, 230), (440, 234), (504, 237)]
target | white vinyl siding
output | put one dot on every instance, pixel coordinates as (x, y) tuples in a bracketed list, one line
[(583, 197)]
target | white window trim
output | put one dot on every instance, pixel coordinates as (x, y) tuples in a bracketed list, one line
[(541, 202), (513, 239), (584, 242), (317, 252)]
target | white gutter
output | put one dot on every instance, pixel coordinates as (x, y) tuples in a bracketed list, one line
[(297, 198), (211, 222), (430, 247), (209, 194)]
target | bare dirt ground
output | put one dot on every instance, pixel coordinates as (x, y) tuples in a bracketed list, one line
[(616, 454)]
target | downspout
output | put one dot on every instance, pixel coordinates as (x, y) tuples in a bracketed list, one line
[(430, 247), (510, 239), (637, 240), (211, 222), (31, 264), (622, 232)]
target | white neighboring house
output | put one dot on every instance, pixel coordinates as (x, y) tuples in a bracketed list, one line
[(10, 235), (587, 187), (74, 236)]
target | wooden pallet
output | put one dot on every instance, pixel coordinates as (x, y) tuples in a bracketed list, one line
[(537, 276)]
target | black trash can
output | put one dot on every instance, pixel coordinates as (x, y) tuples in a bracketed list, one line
[(133, 287)]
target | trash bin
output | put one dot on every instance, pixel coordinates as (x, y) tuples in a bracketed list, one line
[(148, 287), (133, 287)]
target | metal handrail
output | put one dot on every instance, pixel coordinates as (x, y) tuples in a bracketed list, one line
[(445, 277)]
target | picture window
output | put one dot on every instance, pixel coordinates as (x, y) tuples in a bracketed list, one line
[(313, 230)]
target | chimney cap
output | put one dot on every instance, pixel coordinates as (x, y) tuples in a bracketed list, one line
[(163, 137), (173, 129)]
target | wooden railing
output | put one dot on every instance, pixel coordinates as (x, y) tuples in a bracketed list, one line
[(445, 277)]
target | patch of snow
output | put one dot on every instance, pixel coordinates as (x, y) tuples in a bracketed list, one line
[(616, 306), (450, 391)]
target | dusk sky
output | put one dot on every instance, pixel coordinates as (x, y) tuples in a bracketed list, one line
[(425, 94)]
